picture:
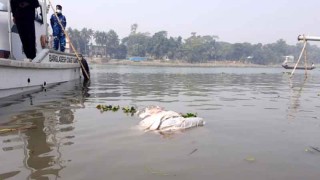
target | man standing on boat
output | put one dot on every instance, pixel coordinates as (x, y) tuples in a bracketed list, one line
[(58, 31), (23, 12)]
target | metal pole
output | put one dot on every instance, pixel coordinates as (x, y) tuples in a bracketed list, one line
[(308, 38), (9, 30), (44, 16)]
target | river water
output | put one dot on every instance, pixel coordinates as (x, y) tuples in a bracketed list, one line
[(260, 124)]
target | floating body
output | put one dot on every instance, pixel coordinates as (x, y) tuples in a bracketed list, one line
[(156, 118)]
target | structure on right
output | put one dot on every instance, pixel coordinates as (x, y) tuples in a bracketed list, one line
[(303, 53)]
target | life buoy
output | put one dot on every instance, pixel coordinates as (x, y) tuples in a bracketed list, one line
[(43, 41), (85, 68)]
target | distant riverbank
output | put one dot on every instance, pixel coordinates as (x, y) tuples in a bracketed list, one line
[(174, 63)]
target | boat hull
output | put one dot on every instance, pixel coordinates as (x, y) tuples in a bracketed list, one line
[(18, 77), (298, 67)]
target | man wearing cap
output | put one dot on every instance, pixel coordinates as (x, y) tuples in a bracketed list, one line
[(58, 33), (23, 12)]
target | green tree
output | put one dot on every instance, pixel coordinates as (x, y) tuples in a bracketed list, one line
[(198, 48), (101, 39), (174, 48), (136, 44), (158, 45), (121, 52), (75, 38), (112, 43), (86, 36)]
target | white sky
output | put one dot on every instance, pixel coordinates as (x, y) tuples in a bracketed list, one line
[(233, 21)]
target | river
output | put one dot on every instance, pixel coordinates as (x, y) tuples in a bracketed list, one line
[(260, 124)]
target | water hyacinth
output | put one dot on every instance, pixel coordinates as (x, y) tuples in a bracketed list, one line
[(126, 109), (108, 108)]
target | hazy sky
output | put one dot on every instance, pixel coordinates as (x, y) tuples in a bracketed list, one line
[(232, 20)]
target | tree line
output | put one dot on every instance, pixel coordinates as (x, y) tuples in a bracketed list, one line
[(193, 49)]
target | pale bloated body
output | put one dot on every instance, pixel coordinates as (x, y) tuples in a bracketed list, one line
[(156, 118)]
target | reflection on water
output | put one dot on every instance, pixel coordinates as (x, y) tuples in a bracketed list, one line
[(51, 113), (296, 92), (250, 112)]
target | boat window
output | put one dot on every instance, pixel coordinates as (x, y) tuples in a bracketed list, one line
[(3, 7), (39, 16)]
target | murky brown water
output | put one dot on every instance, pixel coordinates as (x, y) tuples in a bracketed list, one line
[(257, 127)]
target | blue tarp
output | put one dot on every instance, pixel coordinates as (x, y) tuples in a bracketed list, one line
[(138, 58)]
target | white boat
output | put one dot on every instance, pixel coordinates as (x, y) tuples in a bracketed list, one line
[(289, 64), (20, 75)]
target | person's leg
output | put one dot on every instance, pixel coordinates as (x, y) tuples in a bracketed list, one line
[(62, 43), (56, 43), (32, 50), (27, 35)]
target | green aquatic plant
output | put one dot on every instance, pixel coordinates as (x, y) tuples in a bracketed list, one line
[(189, 115), (115, 108), (129, 109), (108, 108)]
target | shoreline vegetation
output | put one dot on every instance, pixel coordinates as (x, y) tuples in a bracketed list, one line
[(176, 63), (194, 49)]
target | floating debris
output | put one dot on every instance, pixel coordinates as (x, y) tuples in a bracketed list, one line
[(315, 148), (308, 150), (195, 150), (312, 149), (250, 159), (151, 171), (8, 130)]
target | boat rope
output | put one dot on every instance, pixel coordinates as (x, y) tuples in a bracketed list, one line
[(301, 54), (305, 61), (68, 38)]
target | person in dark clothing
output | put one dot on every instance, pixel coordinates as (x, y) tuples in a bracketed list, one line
[(58, 33), (23, 12)]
